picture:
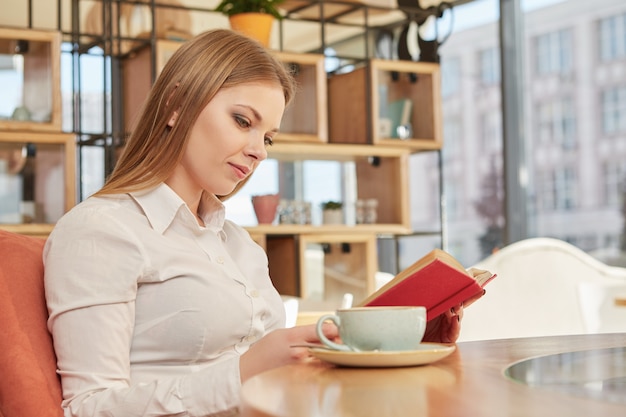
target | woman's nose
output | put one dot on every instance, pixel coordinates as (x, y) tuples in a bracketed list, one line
[(256, 148)]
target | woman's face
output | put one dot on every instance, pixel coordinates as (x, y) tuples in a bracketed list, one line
[(229, 139)]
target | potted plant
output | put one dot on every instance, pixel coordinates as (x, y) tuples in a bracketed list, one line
[(252, 17), (332, 212)]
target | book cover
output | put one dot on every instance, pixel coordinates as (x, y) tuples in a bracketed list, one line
[(437, 281)]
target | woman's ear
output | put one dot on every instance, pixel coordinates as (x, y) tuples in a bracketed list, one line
[(172, 120)]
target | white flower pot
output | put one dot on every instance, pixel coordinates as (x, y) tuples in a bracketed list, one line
[(334, 216)]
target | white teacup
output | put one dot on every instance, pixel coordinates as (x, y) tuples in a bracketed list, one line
[(376, 328)]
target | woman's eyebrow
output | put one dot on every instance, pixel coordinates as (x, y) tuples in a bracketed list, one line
[(256, 114)]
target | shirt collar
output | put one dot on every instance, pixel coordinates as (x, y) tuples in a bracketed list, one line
[(162, 205)]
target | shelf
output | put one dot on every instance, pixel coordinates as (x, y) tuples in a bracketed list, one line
[(334, 117), (305, 120), (361, 99), (359, 229), (335, 264), (345, 12), (38, 177), (381, 174), (332, 151), (323, 267), (137, 75), (31, 84)]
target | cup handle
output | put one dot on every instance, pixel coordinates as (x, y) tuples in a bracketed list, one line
[(326, 341)]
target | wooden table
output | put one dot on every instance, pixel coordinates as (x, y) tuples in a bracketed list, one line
[(470, 382)]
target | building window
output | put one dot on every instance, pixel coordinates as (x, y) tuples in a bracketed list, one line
[(558, 190), (614, 174), (554, 52), (556, 122), (612, 37), (450, 76), (490, 66), (614, 110), (565, 188), (545, 192)]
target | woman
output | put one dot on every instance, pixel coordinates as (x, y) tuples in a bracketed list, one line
[(158, 305)]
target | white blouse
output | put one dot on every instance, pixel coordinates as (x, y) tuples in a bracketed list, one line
[(150, 312)]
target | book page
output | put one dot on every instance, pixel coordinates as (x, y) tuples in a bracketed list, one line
[(480, 275)]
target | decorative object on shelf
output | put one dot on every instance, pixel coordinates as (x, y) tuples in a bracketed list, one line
[(400, 117), (265, 207), (254, 18), (384, 44), (14, 156), (371, 211), (428, 48), (28, 206), (366, 211), (30, 80), (332, 212), (294, 212), (21, 113)]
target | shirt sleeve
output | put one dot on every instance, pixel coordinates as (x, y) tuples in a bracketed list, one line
[(92, 268)]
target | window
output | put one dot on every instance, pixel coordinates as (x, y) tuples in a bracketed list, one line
[(546, 195), (554, 52), (613, 105), (565, 188), (490, 66), (557, 190), (614, 174), (612, 37), (556, 122)]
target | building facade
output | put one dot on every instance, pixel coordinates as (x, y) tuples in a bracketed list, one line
[(574, 69)]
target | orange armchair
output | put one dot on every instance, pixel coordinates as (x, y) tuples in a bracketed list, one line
[(29, 384)]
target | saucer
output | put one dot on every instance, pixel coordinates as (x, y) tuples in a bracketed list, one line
[(425, 354)]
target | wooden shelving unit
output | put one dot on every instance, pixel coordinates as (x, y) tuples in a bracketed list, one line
[(359, 95), (335, 117), (36, 60), (39, 159)]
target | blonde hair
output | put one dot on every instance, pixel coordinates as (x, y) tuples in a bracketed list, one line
[(190, 79)]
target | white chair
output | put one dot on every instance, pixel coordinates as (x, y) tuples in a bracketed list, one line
[(546, 287)]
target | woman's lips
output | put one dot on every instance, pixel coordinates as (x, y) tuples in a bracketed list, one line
[(241, 171)]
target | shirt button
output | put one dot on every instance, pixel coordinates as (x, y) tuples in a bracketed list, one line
[(254, 293), (220, 260), (251, 339)]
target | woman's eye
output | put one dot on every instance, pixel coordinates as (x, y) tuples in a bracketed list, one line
[(242, 121), (269, 141)]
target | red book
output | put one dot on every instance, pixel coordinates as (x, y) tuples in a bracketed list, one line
[(437, 281)]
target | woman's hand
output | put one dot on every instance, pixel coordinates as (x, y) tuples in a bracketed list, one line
[(447, 327), (274, 349)]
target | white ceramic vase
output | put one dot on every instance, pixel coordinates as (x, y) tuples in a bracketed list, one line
[(332, 216)]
